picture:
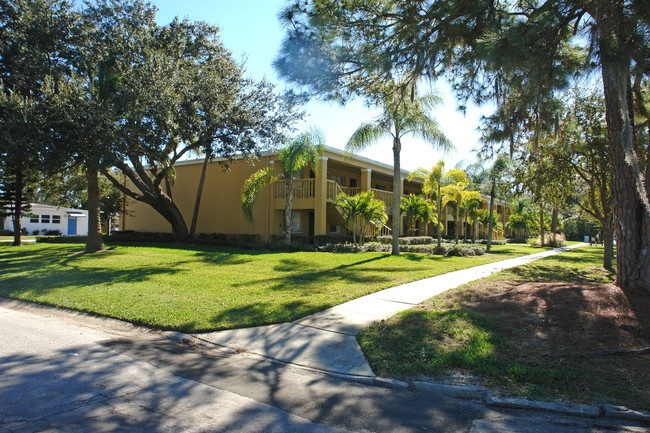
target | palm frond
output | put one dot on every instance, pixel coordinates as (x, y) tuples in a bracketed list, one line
[(365, 136), (253, 186)]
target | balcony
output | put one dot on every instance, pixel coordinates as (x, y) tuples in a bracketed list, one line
[(304, 193)]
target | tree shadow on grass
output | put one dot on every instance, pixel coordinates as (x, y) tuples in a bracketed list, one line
[(300, 275), (260, 314), (539, 272)]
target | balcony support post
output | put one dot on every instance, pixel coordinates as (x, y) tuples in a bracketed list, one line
[(320, 199), (366, 179)]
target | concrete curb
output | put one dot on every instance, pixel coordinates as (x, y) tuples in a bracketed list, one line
[(582, 410), (467, 392), (491, 400)]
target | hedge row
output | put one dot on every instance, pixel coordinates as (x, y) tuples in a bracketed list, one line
[(443, 250)]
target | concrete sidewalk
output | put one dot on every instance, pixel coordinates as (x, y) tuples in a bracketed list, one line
[(326, 340)]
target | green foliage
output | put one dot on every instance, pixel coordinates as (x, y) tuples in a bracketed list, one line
[(253, 186), (402, 114), (304, 150), (360, 212), (417, 209)]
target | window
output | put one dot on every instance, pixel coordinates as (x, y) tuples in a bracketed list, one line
[(56, 219), (33, 219), (45, 219), (335, 229), (338, 179), (296, 222)]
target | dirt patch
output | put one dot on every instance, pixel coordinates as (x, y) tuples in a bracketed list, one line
[(565, 317), (579, 327)]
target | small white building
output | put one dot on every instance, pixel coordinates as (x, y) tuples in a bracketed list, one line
[(43, 218)]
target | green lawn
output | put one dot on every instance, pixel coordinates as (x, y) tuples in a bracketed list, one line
[(192, 288), (534, 330)]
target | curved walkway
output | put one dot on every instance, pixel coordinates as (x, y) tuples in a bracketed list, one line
[(326, 340)]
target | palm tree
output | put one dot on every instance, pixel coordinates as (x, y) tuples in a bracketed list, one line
[(434, 180), (404, 114), (470, 214), (456, 192), (361, 210), (416, 208), (305, 149)]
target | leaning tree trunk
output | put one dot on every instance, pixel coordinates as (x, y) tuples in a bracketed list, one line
[(632, 215), (491, 220), (94, 241), (17, 215), (197, 201), (397, 191)]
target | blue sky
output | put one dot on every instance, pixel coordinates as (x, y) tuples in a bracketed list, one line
[(251, 30)]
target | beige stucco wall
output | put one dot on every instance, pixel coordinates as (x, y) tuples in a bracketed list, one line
[(220, 210)]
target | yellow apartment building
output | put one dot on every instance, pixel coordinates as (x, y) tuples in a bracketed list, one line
[(314, 213)]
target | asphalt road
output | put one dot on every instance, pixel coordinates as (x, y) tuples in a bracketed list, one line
[(63, 372)]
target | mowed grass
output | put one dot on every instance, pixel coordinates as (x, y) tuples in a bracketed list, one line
[(192, 288), (539, 330)]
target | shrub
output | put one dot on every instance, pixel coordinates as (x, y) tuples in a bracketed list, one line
[(560, 241), (61, 240), (461, 250), (444, 250), (51, 232), (494, 242), (36, 232), (518, 240), (406, 240)]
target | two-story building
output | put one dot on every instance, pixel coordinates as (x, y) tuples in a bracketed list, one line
[(314, 212)]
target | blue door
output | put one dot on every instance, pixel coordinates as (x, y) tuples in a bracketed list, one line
[(72, 226)]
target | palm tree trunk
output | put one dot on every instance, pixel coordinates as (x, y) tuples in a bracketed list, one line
[(397, 173), (199, 192), (288, 208), (439, 229)]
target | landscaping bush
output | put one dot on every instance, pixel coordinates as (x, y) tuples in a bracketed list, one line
[(577, 228), (517, 240), (133, 236), (494, 242), (6, 233), (445, 249), (406, 240), (461, 250), (50, 232), (61, 239), (560, 241)]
